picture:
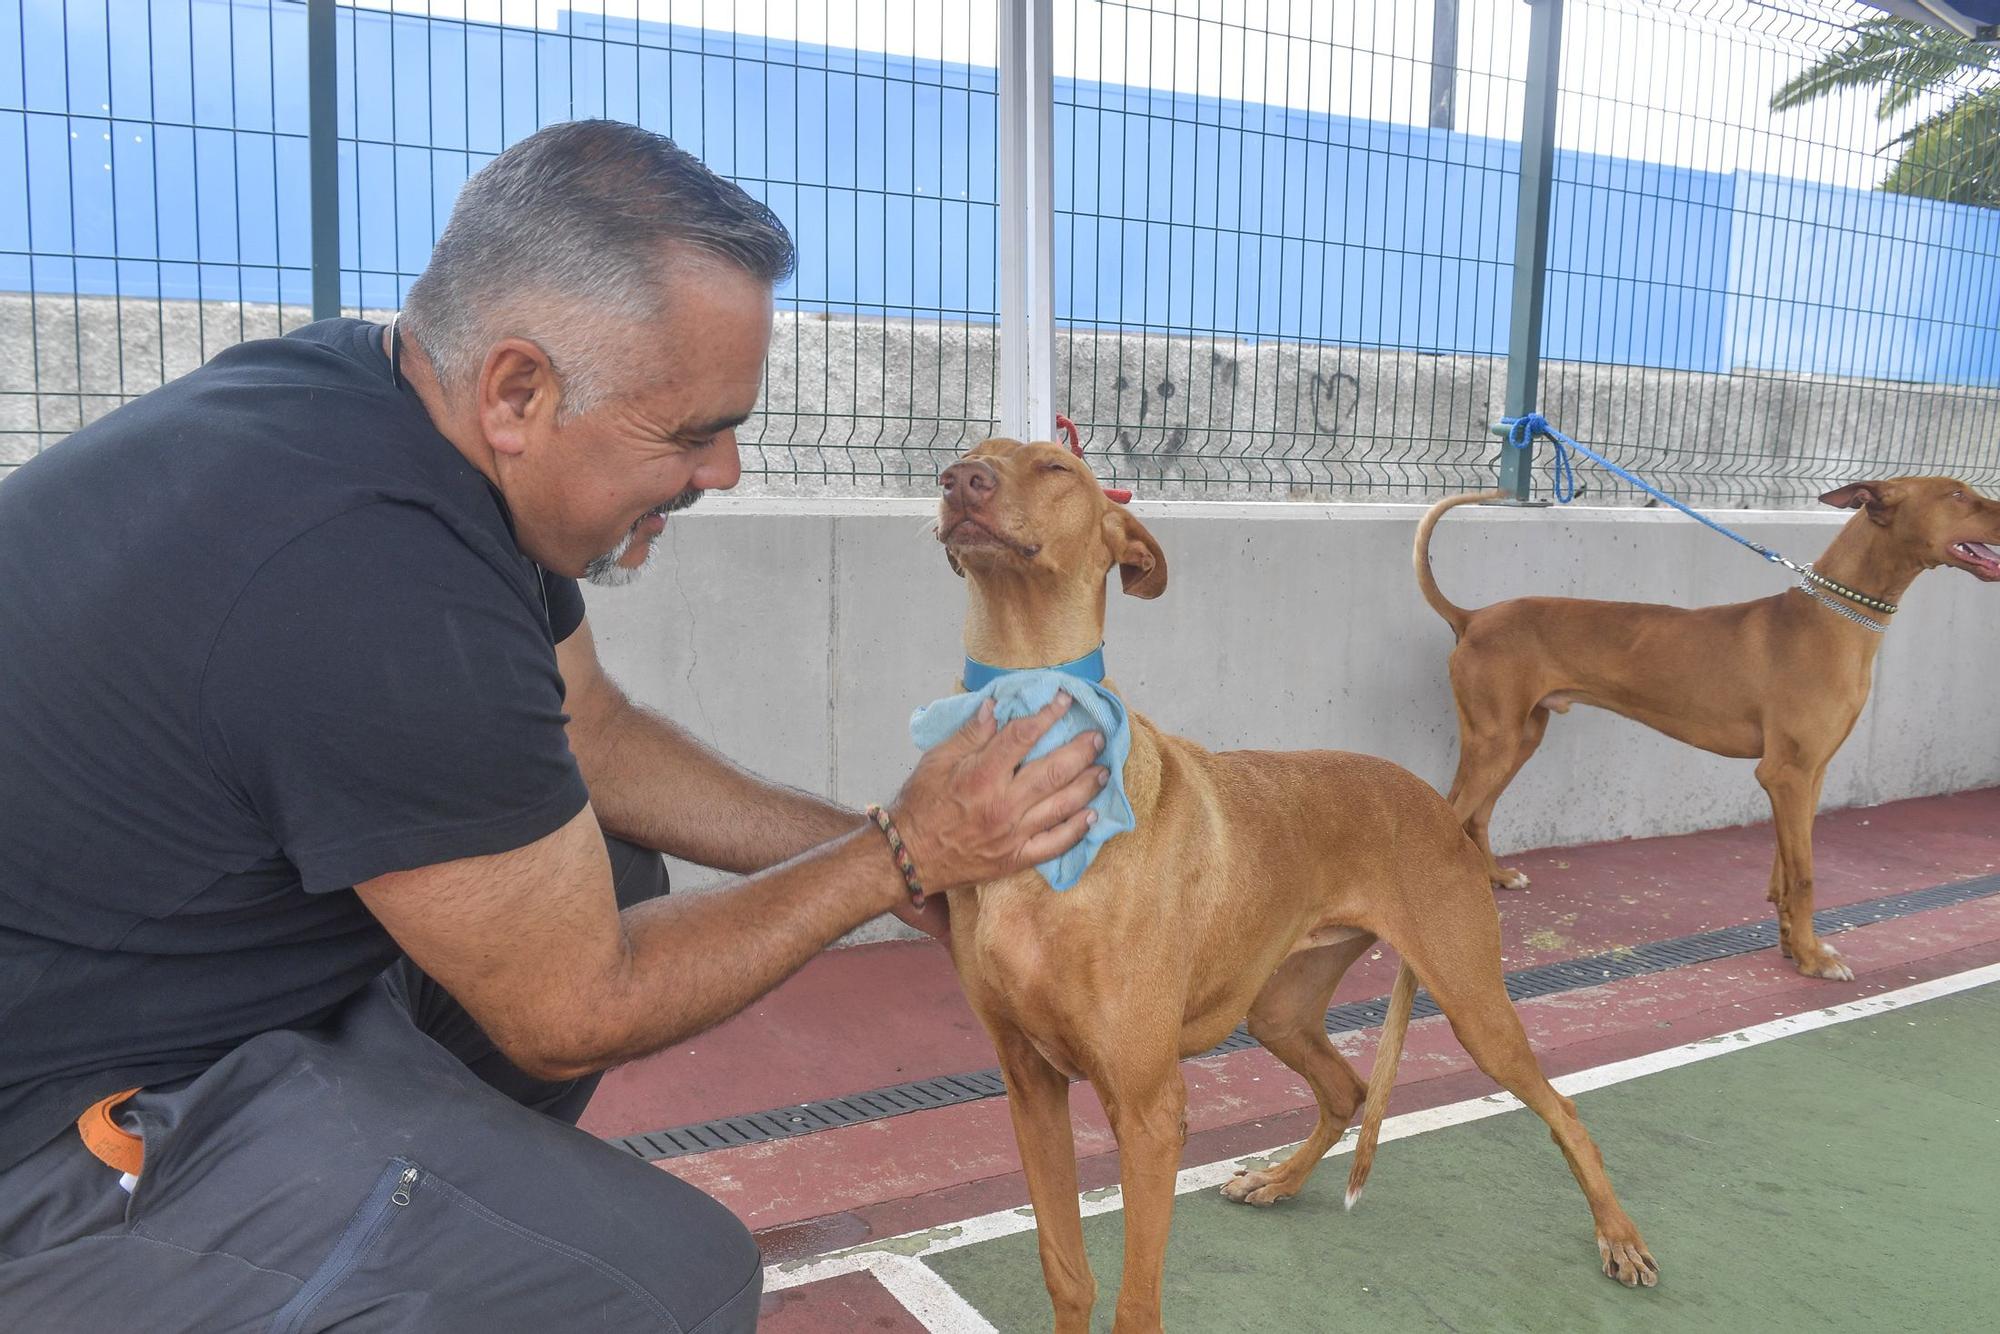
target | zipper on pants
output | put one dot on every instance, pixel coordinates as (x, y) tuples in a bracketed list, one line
[(391, 1192)]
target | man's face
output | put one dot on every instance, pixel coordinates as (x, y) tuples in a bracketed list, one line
[(591, 495)]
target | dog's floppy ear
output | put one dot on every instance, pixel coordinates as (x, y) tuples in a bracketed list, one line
[(1142, 566), (1875, 497)]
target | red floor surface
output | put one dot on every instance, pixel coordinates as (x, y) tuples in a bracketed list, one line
[(850, 1302), (872, 1015), (883, 1014)]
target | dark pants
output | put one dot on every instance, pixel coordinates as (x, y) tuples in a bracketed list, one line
[(389, 1171)]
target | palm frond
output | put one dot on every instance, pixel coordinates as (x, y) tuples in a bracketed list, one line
[(1953, 155), (1910, 59)]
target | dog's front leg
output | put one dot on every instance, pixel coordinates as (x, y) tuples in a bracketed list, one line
[(1146, 1100), (1794, 787), (1038, 1100)]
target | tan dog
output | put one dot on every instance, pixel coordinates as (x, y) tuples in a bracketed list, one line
[(1779, 680), (1252, 881)]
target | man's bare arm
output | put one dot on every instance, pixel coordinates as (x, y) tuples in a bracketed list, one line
[(653, 783), (532, 944)]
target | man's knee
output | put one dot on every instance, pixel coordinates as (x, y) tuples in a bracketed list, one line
[(659, 1241), (617, 1250), (711, 1258)]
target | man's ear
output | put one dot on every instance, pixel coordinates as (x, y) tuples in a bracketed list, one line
[(518, 393), (1142, 566), (1876, 497)]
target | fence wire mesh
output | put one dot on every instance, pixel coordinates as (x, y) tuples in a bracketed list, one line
[(1282, 270), (874, 146), (1284, 230), (152, 185), (1288, 244), (1750, 305)]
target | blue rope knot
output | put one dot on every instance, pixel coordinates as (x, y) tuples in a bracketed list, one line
[(1521, 433)]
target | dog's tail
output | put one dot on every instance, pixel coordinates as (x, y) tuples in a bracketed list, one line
[(1382, 1079), (1455, 616)]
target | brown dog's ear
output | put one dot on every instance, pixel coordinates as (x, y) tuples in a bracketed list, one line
[(1873, 496), (1142, 566)]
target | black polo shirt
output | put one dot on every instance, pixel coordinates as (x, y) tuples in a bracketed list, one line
[(264, 634)]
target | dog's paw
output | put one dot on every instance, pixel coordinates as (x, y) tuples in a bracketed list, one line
[(1262, 1189), (1511, 879), (1628, 1261), (1825, 962)]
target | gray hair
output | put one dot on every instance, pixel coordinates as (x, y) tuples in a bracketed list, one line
[(561, 240)]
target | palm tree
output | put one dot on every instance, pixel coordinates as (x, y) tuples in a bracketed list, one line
[(1952, 154)]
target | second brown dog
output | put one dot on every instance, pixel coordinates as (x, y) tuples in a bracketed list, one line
[(1779, 680)]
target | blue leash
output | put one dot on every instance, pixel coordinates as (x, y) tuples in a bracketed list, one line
[(1521, 432)]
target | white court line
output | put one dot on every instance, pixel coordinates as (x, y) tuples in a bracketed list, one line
[(924, 1294), (894, 1261)]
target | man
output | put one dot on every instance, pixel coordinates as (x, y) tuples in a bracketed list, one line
[(319, 813)]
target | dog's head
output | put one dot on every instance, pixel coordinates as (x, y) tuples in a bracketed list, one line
[(1037, 511), (1936, 520)]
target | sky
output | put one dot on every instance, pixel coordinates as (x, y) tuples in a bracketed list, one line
[(1679, 82)]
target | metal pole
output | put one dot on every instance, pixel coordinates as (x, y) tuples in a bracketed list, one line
[(323, 152), (1027, 220), (1531, 236), (1444, 64)]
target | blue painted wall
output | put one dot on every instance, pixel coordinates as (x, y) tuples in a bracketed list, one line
[(1174, 213)]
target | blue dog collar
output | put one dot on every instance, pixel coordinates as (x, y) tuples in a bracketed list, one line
[(979, 675)]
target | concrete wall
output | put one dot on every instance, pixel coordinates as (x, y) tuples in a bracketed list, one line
[(798, 635)]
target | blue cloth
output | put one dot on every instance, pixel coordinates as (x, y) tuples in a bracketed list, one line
[(1018, 694)]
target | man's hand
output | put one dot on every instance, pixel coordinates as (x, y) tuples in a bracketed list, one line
[(971, 811)]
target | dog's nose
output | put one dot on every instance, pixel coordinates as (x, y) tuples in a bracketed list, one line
[(969, 483)]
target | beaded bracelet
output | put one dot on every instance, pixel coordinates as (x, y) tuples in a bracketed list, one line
[(904, 862)]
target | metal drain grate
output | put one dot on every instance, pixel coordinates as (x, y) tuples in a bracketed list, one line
[(1544, 980)]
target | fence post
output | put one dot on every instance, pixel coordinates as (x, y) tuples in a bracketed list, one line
[(1027, 220), (1531, 237), (323, 153), (1444, 64)]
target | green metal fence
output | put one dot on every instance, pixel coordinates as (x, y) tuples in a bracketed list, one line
[(1427, 217), (1315, 255), (1860, 334), (110, 281)]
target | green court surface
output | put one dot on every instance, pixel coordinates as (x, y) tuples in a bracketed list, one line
[(1846, 1178)]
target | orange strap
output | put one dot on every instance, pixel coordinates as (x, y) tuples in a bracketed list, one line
[(112, 1144)]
